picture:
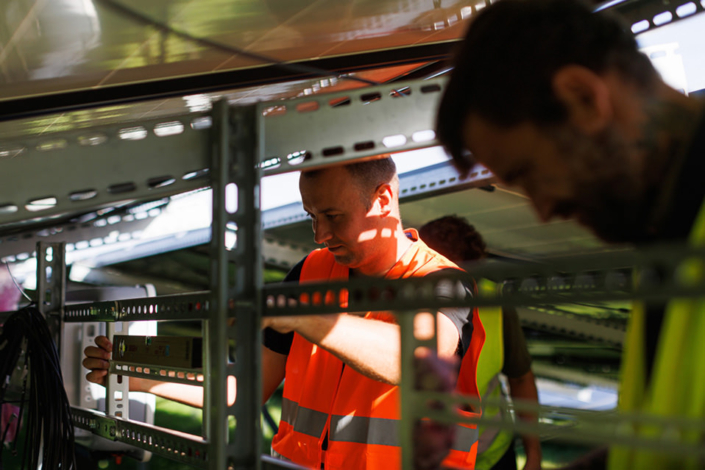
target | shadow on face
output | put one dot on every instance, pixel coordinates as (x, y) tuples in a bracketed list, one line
[(354, 226)]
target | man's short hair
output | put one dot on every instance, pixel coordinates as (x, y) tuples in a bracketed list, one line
[(368, 175), (454, 238), (504, 68)]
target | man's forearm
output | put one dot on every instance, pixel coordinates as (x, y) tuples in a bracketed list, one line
[(524, 388), (191, 395), (371, 347)]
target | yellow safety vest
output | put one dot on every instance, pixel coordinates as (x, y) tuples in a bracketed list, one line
[(677, 387), (493, 442)]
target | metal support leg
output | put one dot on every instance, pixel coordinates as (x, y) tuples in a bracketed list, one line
[(412, 408), (406, 388), (235, 240), (215, 420), (247, 290)]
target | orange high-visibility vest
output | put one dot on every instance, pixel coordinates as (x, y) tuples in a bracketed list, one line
[(359, 415)]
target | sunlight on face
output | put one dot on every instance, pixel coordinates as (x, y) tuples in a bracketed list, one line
[(354, 230), (367, 235), (339, 218)]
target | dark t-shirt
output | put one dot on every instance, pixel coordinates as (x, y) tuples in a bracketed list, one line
[(517, 360), (461, 318)]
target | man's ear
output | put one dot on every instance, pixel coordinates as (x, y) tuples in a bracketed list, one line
[(585, 95), (384, 196)]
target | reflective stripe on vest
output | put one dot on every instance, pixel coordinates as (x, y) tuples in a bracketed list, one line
[(385, 432), (359, 415), (359, 429), (487, 435), (304, 420), (493, 441), (677, 387)]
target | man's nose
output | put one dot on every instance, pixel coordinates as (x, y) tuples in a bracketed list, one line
[(321, 232)]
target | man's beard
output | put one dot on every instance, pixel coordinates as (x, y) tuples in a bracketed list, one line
[(612, 196)]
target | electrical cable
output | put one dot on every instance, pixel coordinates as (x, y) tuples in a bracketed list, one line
[(49, 435), (7, 265), (300, 68)]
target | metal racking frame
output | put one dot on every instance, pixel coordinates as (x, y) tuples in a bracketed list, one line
[(152, 159)]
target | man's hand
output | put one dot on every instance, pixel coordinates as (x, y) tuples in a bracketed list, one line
[(523, 388), (98, 360), (532, 464)]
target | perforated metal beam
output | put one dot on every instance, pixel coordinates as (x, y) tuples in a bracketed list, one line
[(161, 373), (595, 278), (81, 171), (577, 326), (583, 279), (100, 231), (318, 130), (174, 445), (110, 157), (648, 15), (166, 307)]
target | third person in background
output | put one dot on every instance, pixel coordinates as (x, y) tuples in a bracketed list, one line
[(505, 351)]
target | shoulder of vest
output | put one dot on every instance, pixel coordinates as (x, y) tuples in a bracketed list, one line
[(319, 256), (319, 265), (435, 262)]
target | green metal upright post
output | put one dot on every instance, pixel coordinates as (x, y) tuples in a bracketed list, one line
[(247, 289), (406, 388), (235, 239), (51, 292)]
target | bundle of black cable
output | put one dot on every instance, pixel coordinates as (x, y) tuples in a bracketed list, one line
[(49, 439)]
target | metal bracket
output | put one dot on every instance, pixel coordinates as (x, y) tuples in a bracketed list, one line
[(117, 388), (51, 276)]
